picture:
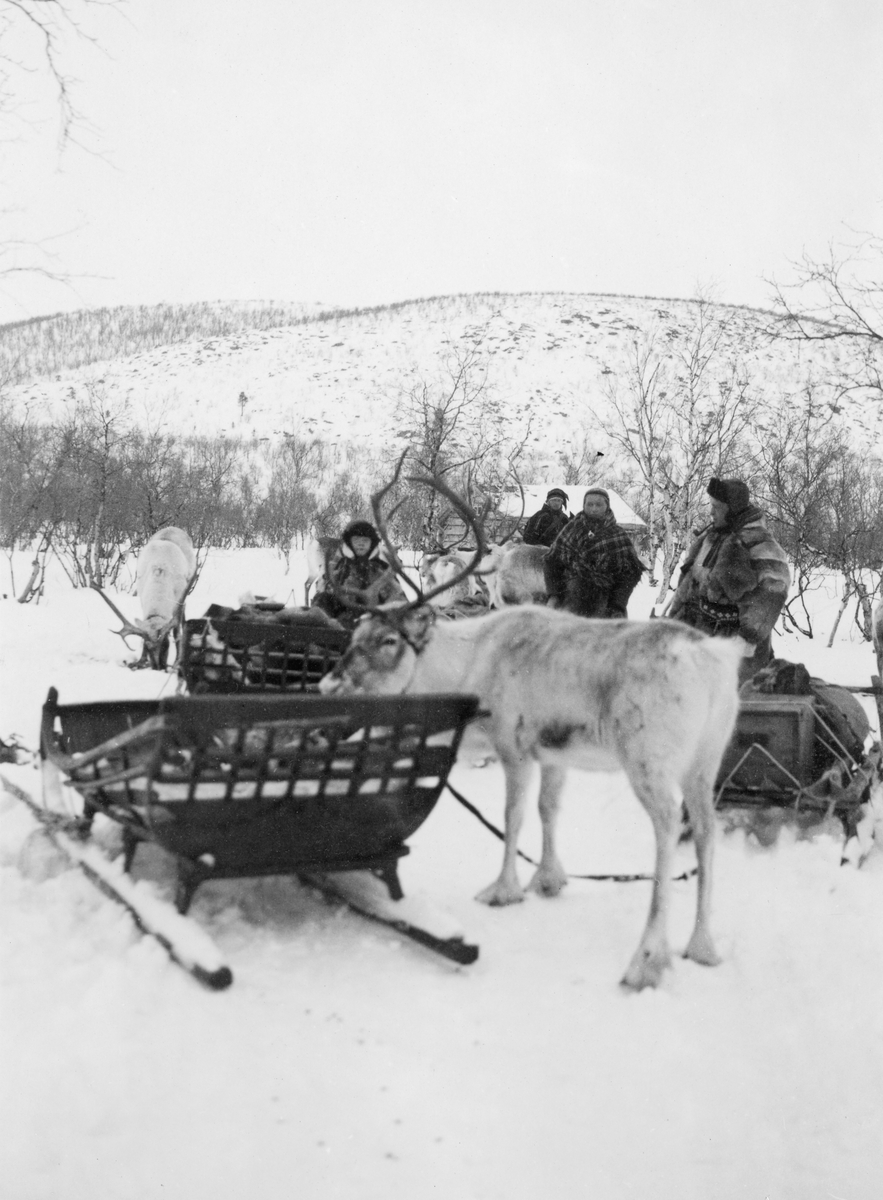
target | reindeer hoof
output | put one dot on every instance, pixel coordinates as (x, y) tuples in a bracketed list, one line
[(701, 950), (499, 894), (646, 969), (548, 883)]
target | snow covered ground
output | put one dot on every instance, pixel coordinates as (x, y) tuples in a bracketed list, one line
[(346, 1063)]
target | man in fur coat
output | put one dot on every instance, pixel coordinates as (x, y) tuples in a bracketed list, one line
[(358, 577), (592, 567), (544, 526), (735, 578)]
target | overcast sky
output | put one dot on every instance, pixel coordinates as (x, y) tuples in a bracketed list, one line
[(359, 152)]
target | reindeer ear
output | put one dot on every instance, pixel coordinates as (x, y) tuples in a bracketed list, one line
[(417, 625)]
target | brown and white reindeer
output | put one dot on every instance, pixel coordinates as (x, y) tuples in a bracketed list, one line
[(165, 572), (655, 699), (513, 574)]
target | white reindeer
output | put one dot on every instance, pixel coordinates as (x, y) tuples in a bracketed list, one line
[(320, 554), (655, 699), (513, 574), (165, 571), (442, 574)]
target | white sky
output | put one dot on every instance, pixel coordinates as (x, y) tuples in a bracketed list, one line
[(366, 151)]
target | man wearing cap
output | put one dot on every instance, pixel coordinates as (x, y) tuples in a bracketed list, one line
[(544, 526), (735, 578), (592, 567), (358, 577)]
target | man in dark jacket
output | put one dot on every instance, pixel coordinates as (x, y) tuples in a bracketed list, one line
[(358, 577), (735, 577), (592, 568), (544, 526)]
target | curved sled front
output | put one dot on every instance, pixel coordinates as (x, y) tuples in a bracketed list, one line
[(236, 786)]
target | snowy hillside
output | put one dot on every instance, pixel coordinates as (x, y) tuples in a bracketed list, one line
[(340, 375)]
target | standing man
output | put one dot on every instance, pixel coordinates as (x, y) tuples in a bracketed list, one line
[(735, 577), (592, 567), (545, 525)]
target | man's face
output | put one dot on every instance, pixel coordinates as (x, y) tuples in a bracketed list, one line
[(594, 505), (719, 514), (361, 546), (555, 503)]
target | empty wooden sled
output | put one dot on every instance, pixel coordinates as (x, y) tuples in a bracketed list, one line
[(241, 786)]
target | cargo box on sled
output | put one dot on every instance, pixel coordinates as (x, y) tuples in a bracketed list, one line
[(791, 752)]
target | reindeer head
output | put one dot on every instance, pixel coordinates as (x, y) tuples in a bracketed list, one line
[(154, 631), (382, 655)]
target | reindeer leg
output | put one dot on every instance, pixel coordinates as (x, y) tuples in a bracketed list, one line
[(699, 799), (506, 889), (652, 955), (550, 876)]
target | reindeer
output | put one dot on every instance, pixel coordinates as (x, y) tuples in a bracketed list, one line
[(442, 574), (655, 699), (320, 554), (514, 574), (165, 573)]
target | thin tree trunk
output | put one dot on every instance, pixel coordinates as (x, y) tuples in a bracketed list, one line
[(840, 612)]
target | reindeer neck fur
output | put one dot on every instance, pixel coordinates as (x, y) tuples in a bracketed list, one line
[(463, 655)]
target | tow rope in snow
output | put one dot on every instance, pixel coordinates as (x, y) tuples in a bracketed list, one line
[(599, 878)]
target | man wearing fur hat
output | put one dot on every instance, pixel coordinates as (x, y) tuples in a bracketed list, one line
[(592, 567), (735, 578), (544, 526), (358, 577)]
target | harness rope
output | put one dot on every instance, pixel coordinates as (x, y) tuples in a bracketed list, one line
[(599, 878)]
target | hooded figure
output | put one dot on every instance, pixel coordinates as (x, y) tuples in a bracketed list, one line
[(358, 578), (544, 526), (735, 578), (592, 567)]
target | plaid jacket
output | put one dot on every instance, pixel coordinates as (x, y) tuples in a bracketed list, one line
[(599, 554)]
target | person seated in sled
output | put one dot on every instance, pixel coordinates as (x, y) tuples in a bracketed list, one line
[(592, 568), (359, 578), (735, 578), (544, 526)]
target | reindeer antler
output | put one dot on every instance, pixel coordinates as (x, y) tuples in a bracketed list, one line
[(128, 629), (473, 521)]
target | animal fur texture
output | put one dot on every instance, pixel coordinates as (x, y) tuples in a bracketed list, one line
[(514, 574), (166, 566), (437, 569), (655, 699)]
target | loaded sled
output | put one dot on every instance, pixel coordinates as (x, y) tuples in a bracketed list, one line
[(234, 786), (799, 747), (257, 650)]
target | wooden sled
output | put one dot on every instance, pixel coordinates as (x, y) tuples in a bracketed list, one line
[(226, 654), (787, 754), (246, 786)]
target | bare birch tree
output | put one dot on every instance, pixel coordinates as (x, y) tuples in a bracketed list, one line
[(681, 414)]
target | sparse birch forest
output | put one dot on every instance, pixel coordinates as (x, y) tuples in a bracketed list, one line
[(91, 477)]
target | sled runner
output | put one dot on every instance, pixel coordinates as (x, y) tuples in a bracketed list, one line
[(246, 786), (226, 653)]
